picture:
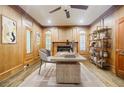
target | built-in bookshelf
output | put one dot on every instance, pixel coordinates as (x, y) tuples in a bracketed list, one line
[(100, 46)]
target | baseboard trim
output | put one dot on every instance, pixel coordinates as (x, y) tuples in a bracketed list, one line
[(10, 72), (7, 74)]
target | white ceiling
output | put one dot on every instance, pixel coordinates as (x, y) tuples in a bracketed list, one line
[(41, 14)]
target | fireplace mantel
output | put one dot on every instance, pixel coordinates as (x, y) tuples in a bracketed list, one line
[(62, 42)]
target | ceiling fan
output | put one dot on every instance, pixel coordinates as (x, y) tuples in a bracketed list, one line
[(83, 7)]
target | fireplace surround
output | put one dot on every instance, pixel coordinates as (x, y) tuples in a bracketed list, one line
[(62, 46)]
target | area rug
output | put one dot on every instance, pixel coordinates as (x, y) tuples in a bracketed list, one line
[(47, 78)]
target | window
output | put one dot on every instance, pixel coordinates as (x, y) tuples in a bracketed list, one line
[(48, 40), (28, 41), (82, 41)]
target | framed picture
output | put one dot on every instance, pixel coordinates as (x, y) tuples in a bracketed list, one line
[(38, 37), (8, 30)]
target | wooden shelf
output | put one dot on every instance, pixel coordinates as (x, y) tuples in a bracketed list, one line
[(100, 30), (103, 41)]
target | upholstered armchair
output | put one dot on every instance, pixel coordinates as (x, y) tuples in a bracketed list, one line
[(44, 54)]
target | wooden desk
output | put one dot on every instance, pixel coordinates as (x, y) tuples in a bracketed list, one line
[(67, 69)]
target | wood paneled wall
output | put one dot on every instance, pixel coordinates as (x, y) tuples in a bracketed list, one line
[(60, 34), (111, 21), (13, 56)]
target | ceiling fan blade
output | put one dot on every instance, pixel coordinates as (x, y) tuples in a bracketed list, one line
[(79, 6), (55, 10)]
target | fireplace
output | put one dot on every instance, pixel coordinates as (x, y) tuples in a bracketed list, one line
[(64, 48)]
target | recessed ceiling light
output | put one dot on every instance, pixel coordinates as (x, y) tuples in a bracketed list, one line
[(81, 21), (49, 21)]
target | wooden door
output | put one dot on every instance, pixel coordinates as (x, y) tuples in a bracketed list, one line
[(120, 49)]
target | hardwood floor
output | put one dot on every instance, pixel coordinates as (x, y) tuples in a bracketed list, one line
[(107, 77), (18, 78), (47, 78), (91, 76)]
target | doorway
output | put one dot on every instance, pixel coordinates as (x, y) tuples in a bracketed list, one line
[(120, 49)]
